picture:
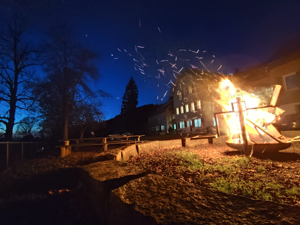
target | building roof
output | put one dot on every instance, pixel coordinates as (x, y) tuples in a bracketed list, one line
[(162, 108)]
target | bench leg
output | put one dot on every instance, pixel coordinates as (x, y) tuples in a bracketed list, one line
[(62, 151)]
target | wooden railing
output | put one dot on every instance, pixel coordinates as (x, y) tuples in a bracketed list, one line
[(96, 141)]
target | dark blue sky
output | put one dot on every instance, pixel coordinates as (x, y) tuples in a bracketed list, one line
[(231, 33)]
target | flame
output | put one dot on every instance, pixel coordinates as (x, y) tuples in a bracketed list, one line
[(257, 121)]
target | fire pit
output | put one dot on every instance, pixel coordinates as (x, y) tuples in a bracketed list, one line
[(248, 125)]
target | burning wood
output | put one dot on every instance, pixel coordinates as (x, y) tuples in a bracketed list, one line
[(247, 123)]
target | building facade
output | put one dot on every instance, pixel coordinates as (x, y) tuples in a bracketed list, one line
[(193, 100)]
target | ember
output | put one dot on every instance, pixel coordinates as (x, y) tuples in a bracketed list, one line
[(248, 121)]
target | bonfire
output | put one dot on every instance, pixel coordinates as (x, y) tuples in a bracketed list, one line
[(248, 122)]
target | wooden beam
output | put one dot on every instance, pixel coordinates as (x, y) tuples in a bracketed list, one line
[(275, 95), (243, 127)]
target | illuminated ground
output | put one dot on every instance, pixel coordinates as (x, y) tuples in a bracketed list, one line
[(48, 190)]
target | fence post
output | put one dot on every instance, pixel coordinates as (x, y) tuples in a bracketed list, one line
[(22, 148), (105, 144), (7, 153)]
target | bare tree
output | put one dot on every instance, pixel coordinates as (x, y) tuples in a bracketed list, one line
[(69, 67), (17, 57), (26, 125)]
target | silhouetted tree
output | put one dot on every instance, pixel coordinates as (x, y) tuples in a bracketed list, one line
[(68, 67), (130, 98), (17, 57), (25, 126)]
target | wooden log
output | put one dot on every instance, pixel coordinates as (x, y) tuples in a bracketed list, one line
[(275, 95), (243, 127)]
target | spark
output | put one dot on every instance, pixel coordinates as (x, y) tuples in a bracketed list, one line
[(204, 66), (172, 83), (182, 82), (159, 30), (112, 54), (158, 76), (194, 67), (117, 97), (184, 59), (199, 57), (176, 58), (119, 49), (115, 58), (158, 85), (214, 56), (170, 54), (181, 69), (196, 52), (140, 46), (219, 67), (135, 48), (165, 94), (125, 50), (162, 71), (157, 62), (157, 97), (142, 56), (182, 50), (173, 65), (129, 54), (212, 61), (135, 60), (174, 75), (204, 51), (164, 60)]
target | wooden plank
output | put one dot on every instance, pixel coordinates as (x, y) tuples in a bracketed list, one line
[(275, 95)]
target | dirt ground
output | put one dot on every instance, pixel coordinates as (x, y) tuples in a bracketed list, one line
[(46, 190)]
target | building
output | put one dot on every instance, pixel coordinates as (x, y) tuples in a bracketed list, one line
[(193, 100), (161, 121), (282, 68)]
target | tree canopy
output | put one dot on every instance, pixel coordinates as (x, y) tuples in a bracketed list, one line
[(130, 98)]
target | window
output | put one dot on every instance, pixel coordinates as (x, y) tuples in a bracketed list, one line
[(181, 110), (157, 128), (291, 82), (187, 123), (174, 126), (199, 104), (190, 90), (181, 124), (177, 111), (214, 120), (192, 107), (197, 122), (187, 108), (162, 127)]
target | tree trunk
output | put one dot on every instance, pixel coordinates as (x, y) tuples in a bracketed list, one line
[(11, 119)]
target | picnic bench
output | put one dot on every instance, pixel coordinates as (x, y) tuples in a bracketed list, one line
[(209, 137), (66, 149)]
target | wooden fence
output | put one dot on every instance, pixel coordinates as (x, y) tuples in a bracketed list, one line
[(16, 151)]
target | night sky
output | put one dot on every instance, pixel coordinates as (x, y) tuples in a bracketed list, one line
[(153, 40)]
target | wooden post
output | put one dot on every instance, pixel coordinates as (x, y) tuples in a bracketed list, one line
[(7, 153), (22, 149), (105, 144), (67, 148), (243, 128), (139, 138)]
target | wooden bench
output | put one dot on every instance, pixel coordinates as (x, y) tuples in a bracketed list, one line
[(66, 149), (209, 137)]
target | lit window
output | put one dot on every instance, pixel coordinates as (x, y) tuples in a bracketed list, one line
[(162, 127), (181, 124), (197, 122), (186, 108), (181, 109), (199, 104), (177, 111), (192, 107), (190, 90), (187, 123), (214, 121), (174, 126), (291, 82)]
